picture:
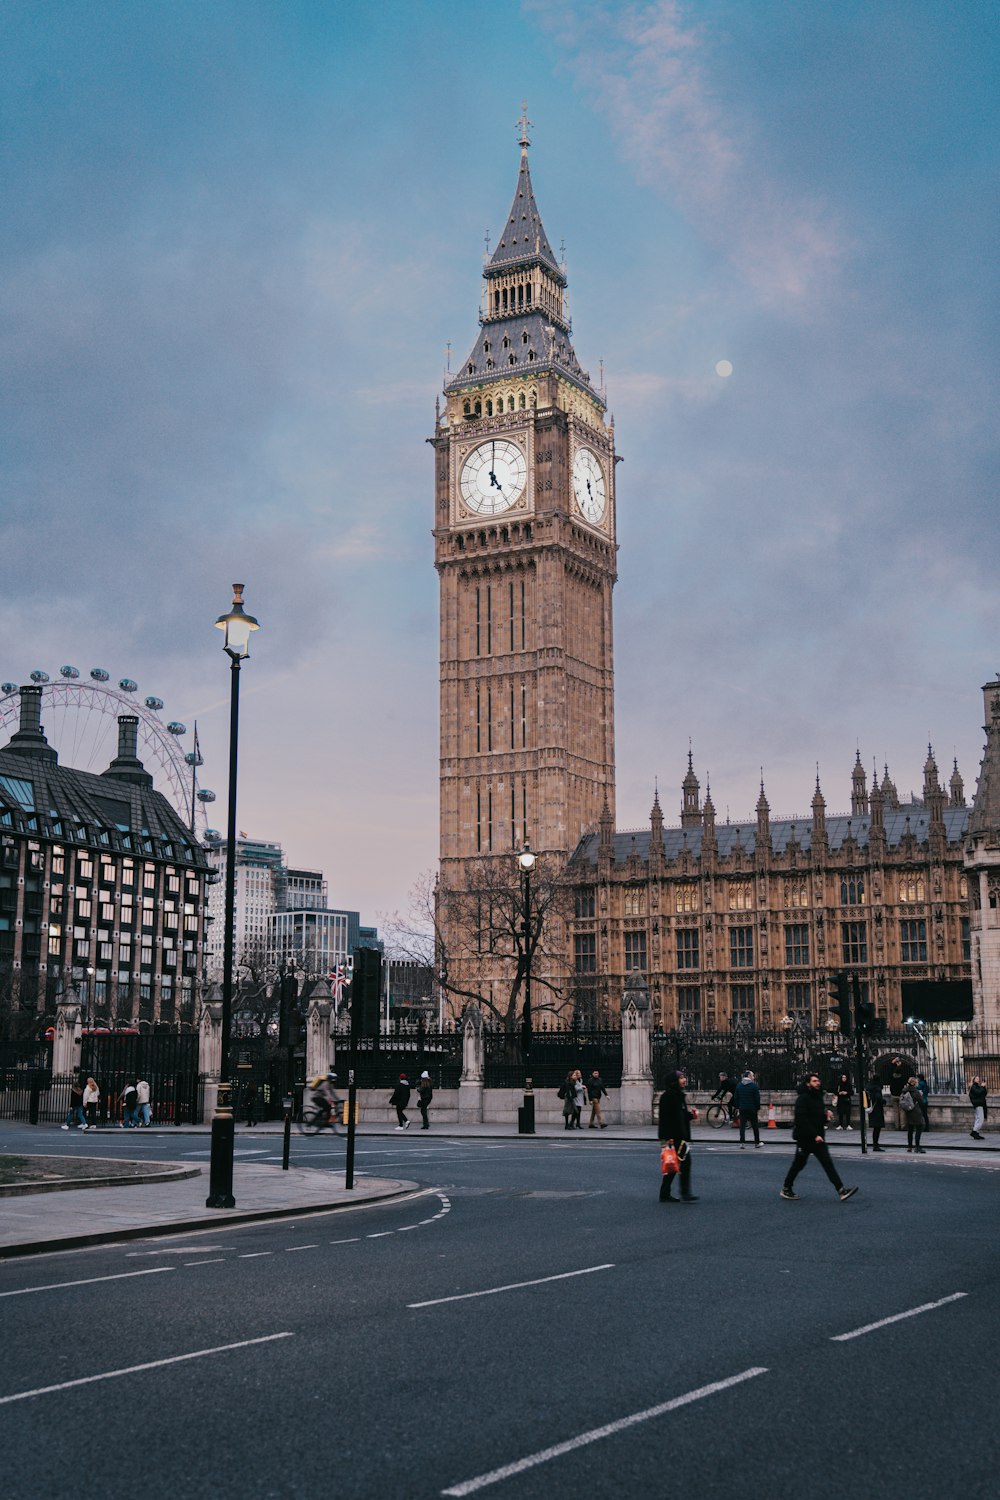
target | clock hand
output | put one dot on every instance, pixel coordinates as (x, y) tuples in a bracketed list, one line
[(589, 490), (494, 482)]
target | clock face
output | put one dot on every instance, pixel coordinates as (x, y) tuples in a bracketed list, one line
[(493, 477), (589, 489)]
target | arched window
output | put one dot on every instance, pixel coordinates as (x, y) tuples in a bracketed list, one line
[(489, 408), (510, 403), (511, 359), (521, 401), (479, 408), (468, 409), (527, 294), (531, 354), (524, 337)]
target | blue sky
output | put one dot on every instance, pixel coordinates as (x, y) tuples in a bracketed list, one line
[(237, 240)]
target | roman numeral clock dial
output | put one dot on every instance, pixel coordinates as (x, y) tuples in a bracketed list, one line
[(493, 477), (589, 488)]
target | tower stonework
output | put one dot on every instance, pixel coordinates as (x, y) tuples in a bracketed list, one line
[(526, 555)]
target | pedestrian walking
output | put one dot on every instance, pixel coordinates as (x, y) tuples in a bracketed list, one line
[(595, 1092), (747, 1101), (91, 1101), (910, 1104), (674, 1126), (876, 1113), (845, 1094), (897, 1083), (567, 1093), (75, 1114), (579, 1099), (399, 1099), (809, 1134), (144, 1111), (925, 1094), (977, 1098), (250, 1102), (425, 1093), (128, 1100)]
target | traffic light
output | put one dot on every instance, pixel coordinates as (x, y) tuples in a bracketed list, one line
[(366, 992), (843, 1005), (289, 1016), (865, 1016)]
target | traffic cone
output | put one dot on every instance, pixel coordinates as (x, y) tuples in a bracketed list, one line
[(772, 1121)]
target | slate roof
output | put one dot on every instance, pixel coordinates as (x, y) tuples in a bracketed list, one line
[(539, 354), (675, 840), (99, 812), (524, 236)]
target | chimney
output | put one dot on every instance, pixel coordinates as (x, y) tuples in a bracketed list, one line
[(29, 740), (126, 765)]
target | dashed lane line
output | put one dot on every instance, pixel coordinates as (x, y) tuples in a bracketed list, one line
[(153, 1364), (513, 1286), (55, 1286), (470, 1486), (912, 1312)]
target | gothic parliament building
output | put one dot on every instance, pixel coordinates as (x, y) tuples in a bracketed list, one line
[(728, 923)]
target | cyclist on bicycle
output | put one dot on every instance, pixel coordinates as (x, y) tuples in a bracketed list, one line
[(726, 1091), (326, 1096)]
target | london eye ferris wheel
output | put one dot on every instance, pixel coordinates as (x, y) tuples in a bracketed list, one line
[(80, 719)]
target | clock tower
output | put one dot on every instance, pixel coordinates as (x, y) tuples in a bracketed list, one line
[(524, 528)]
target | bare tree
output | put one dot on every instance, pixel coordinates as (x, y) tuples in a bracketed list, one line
[(479, 944)]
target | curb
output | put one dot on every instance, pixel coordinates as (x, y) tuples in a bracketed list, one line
[(70, 1184), (223, 1217)]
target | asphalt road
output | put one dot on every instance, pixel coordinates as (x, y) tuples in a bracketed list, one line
[(536, 1324)]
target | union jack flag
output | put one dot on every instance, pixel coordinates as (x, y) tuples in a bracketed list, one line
[(338, 981)]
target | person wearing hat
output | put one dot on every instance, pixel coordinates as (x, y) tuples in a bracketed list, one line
[(399, 1099), (425, 1093), (675, 1116)]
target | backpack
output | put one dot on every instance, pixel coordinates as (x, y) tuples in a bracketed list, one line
[(906, 1101)]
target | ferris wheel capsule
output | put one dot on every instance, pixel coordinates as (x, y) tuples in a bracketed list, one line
[(213, 836), (193, 758), (204, 795), (99, 674), (71, 672), (176, 727), (154, 703), (127, 685), (39, 676), (8, 687)]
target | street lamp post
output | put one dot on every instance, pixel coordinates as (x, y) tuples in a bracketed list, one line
[(238, 627), (526, 863)]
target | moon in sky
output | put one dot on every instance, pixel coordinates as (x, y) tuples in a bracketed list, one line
[(723, 368)]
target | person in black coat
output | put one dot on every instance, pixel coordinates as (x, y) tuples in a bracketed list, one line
[(674, 1125), (845, 1094), (876, 1114), (399, 1099), (809, 1133), (747, 1101), (977, 1098)]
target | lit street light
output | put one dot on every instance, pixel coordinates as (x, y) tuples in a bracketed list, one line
[(238, 627), (526, 863)]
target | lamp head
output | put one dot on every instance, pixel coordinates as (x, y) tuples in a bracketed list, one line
[(526, 859), (238, 626), (786, 1023)]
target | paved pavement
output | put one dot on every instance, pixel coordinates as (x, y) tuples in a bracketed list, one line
[(75, 1217)]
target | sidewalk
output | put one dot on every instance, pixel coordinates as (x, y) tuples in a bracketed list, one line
[(38, 1222), (75, 1217)]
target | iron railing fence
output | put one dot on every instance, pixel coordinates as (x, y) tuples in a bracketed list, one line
[(947, 1056), (26, 1054), (278, 1072), (555, 1051), (403, 1047), (167, 1061)]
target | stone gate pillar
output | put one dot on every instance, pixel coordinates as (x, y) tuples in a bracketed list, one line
[(319, 1043), (210, 1049), (637, 1067), (470, 1087), (68, 1035)]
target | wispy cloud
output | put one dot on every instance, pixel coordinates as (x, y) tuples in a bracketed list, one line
[(650, 72)]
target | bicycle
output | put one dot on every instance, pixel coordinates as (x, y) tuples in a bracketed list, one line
[(316, 1117), (719, 1114)]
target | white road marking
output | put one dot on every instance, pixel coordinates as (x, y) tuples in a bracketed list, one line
[(841, 1338), (481, 1481), (515, 1286), (219, 1260), (382, 1234), (153, 1364), (291, 1249), (254, 1254), (353, 1241), (55, 1286)]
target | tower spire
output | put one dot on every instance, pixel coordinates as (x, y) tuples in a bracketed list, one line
[(524, 125)]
